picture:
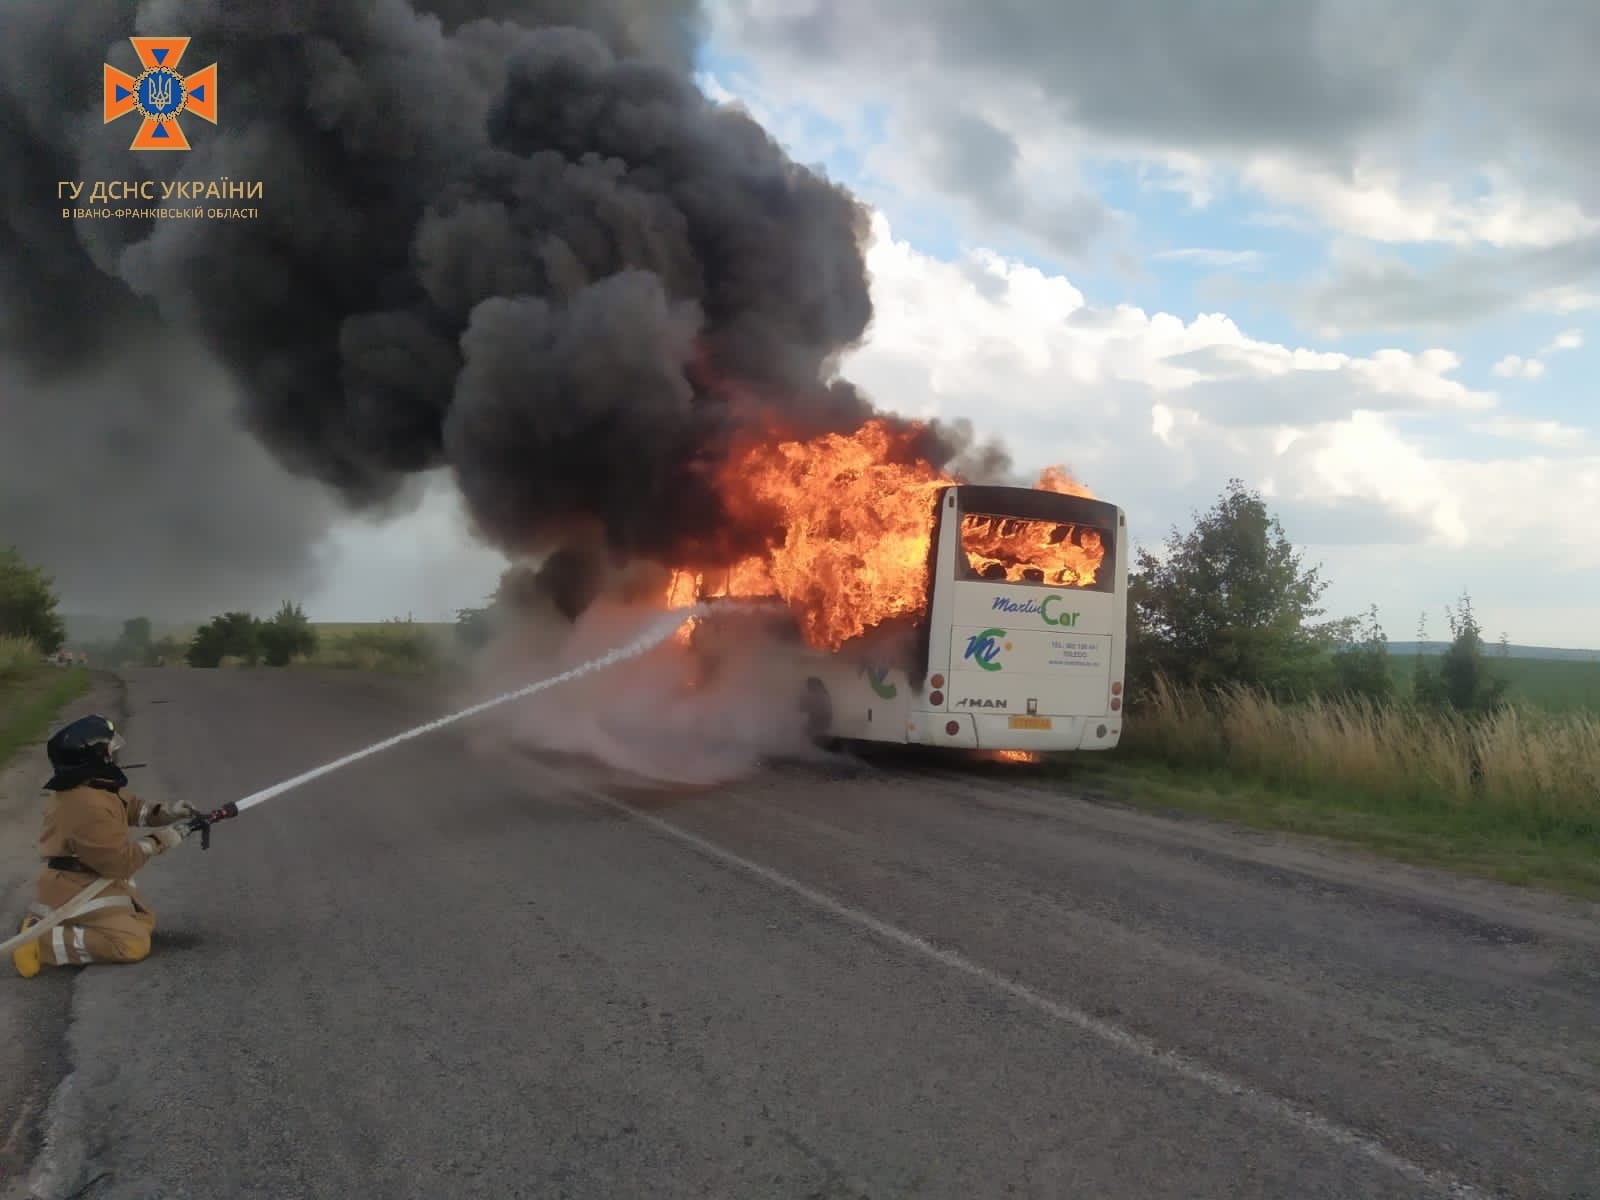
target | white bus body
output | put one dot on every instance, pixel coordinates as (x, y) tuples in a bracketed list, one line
[(1007, 665)]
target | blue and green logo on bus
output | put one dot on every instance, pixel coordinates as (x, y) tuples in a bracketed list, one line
[(878, 680), (983, 648), (1042, 607)]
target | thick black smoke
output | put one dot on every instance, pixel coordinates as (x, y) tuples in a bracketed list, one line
[(511, 239)]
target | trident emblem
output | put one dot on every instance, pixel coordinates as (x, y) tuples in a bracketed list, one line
[(160, 94), (160, 91)]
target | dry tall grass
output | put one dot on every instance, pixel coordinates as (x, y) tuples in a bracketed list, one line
[(19, 657), (1536, 771), (400, 647)]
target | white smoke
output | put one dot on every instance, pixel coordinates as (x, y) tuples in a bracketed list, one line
[(678, 714)]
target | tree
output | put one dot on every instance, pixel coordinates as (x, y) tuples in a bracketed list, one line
[(287, 635), (165, 650), (1230, 603), (28, 603), (474, 627), (1361, 664), (133, 644), (234, 634), (1463, 681)]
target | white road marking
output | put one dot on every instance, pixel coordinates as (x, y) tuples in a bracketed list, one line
[(1114, 1035)]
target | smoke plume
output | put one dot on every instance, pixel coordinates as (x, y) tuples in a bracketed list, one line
[(672, 717), (510, 239)]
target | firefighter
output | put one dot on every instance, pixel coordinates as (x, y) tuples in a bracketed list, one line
[(85, 837)]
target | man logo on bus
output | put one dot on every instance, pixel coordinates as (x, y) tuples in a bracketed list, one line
[(983, 648)]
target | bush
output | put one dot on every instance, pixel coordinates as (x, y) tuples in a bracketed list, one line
[(136, 635), (1361, 666), (474, 627), (1463, 682), (287, 636), (234, 635), (28, 605)]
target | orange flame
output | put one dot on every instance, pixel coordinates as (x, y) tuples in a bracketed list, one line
[(1056, 479), (853, 522), (1034, 551)]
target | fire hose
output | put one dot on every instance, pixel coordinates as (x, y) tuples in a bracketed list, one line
[(201, 823)]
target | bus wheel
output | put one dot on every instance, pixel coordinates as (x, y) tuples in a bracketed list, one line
[(817, 708)]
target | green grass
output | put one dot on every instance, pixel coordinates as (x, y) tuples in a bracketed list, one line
[(335, 629), (396, 647), (1558, 685), (1425, 835), (30, 701), (1393, 779)]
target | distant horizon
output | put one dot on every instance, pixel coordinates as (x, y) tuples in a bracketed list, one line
[(80, 618)]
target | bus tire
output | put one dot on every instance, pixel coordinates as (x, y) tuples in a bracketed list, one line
[(817, 706)]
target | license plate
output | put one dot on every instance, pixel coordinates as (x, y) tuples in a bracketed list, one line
[(1030, 722)]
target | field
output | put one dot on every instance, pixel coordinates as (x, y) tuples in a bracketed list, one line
[(1514, 798), (338, 629), (409, 647), (1555, 685), (392, 645)]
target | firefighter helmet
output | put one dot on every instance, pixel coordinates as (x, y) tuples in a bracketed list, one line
[(87, 740)]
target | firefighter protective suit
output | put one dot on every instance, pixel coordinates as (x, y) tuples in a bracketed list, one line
[(85, 837), (87, 820)]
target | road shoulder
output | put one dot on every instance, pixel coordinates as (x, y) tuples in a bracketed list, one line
[(35, 1013)]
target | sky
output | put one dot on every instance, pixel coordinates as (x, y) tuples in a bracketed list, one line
[(1346, 253)]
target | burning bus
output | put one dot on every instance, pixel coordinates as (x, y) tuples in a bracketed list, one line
[(929, 610), (1024, 636)]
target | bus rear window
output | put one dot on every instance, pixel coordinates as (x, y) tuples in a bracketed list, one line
[(1050, 553)]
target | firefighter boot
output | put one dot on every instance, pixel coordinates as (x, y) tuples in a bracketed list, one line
[(26, 958)]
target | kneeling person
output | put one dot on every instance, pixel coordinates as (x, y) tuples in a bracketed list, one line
[(85, 837)]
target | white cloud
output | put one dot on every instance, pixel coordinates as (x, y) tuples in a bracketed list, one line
[(1514, 365), (1143, 408), (1348, 113), (1555, 434), (1183, 173), (1211, 257), (967, 320), (713, 88), (1385, 204), (1563, 300)]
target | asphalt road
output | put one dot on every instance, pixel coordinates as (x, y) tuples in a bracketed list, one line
[(440, 974)]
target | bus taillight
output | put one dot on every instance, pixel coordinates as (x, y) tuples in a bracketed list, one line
[(1116, 696), (1116, 688), (937, 681)]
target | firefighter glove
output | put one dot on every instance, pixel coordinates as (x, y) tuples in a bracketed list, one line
[(173, 810), (167, 837)]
